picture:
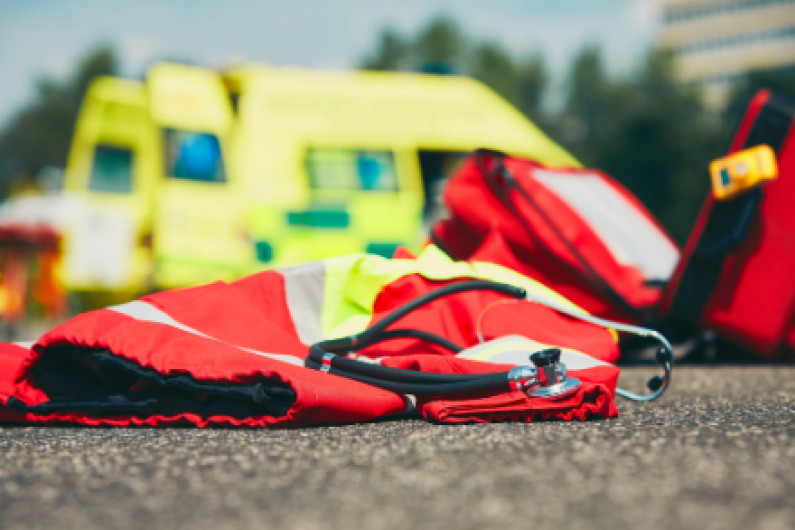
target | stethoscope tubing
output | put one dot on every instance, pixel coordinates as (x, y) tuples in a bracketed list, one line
[(328, 355), (494, 382), (373, 370)]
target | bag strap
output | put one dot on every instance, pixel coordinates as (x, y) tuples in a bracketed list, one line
[(501, 182)]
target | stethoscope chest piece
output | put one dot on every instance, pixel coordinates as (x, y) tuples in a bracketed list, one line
[(547, 379), (566, 388)]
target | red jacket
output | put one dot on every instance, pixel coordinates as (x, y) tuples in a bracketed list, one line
[(232, 353)]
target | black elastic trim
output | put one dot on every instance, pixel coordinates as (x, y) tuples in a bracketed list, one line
[(97, 382)]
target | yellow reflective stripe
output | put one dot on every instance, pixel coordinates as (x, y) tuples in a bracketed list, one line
[(352, 285), (354, 282), (487, 350)]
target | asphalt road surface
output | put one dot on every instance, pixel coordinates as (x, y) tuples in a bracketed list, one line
[(716, 453)]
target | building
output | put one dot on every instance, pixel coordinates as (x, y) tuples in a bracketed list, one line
[(718, 41)]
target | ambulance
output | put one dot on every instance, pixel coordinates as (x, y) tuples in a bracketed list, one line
[(196, 175)]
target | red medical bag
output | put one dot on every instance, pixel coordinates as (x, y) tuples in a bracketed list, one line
[(575, 230), (737, 272)]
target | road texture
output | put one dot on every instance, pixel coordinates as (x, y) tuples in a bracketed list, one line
[(716, 453)]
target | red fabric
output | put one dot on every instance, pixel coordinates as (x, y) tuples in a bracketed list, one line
[(252, 314), (493, 232), (753, 303), (456, 318), (594, 399), (701, 221)]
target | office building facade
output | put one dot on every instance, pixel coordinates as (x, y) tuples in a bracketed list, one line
[(718, 41)]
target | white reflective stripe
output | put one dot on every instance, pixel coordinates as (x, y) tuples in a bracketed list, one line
[(515, 349), (25, 344), (148, 313), (630, 236), (305, 286)]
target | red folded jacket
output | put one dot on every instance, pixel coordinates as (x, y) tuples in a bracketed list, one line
[(232, 353)]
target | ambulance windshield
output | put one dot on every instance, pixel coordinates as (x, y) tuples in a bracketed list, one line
[(193, 156)]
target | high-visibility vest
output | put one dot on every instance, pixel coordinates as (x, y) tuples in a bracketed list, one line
[(233, 353)]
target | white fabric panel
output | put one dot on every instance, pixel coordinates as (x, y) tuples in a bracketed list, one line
[(515, 349), (305, 287), (629, 236), (148, 313)]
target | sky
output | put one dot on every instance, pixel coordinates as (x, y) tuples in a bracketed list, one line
[(41, 38)]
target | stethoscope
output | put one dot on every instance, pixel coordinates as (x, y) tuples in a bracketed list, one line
[(546, 378)]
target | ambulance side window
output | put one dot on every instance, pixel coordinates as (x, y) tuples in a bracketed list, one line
[(193, 156), (111, 170), (340, 170), (436, 167)]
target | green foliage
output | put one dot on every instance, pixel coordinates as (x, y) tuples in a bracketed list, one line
[(495, 67), (39, 135), (439, 47), (441, 41), (532, 82), (780, 80), (591, 102), (392, 53)]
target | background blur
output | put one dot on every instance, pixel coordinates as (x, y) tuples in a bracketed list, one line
[(646, 90)]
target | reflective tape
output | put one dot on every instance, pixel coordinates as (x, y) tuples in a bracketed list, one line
[(631, 237), (515, 349), (146, 312), (304, 287)]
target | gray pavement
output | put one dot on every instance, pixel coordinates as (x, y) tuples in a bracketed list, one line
[(716, 453)]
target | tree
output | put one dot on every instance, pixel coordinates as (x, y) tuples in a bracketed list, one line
[(38, 136), (440, 43), (781, 80), (533, 81), (392, 53), (439, 47), (521, 82), (588, 114), (493, 66)]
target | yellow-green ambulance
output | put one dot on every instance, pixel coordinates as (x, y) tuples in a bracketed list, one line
[(196, 175)]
